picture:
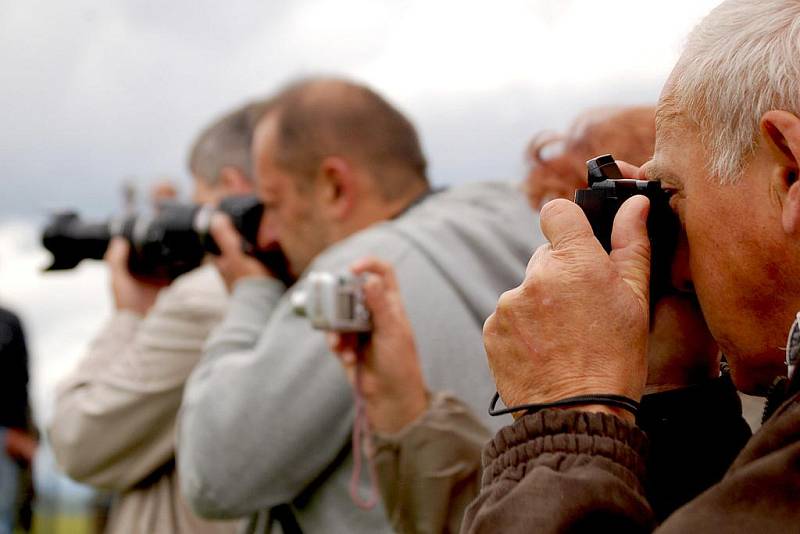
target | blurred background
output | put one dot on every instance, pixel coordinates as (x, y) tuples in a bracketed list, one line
[(96, 95)]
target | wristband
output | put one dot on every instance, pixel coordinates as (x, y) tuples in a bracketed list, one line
[(617, 401)]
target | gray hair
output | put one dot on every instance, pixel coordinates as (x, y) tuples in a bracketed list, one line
[(741, 61), (225, 143)]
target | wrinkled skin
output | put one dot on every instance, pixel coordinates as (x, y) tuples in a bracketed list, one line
[(742, 250)]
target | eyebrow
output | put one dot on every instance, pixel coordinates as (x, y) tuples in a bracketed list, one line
[(655, 172)]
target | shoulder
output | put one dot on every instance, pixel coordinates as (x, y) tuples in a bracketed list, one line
[(200, 290), (380, 239)]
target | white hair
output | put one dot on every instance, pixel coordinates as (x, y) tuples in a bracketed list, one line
[(741, 61)]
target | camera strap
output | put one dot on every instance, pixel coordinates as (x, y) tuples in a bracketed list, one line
[(362, 440), (616, 401)]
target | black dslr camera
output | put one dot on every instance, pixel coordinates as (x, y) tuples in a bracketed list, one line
[(602, 199), (163, 246)]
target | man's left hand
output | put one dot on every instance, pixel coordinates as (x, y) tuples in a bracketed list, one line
[(578, 323), (130, 293)]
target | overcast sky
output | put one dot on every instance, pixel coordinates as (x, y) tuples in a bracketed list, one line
[(96, 92)]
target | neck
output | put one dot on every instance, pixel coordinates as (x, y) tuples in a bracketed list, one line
[(381, 210)]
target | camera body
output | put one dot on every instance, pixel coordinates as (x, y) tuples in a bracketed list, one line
[(163, 246), (602, 199), (333, 302)]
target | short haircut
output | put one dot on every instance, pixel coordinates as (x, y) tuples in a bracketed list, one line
[(741, 61), (322, 117), (225, 143)]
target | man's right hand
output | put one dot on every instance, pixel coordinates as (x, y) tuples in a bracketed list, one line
[(130, 293), (391, 380), (233, 264)]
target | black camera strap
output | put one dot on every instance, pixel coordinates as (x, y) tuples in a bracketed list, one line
[(616, 401)]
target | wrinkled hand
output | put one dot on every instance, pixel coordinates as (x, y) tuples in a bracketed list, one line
[(233, 264), (20, 445), (130, 293), (390, 378), (578, 323)]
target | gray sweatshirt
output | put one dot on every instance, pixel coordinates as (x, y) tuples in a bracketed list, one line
[(267, 414)]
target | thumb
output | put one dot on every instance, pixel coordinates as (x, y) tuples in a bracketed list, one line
[(225, 235), (630, 246), (565, 225), (376, 297)]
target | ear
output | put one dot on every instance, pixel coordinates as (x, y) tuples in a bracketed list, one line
[(781, 133), (337, 187), (234, 182)]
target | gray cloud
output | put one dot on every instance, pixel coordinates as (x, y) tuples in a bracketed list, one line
[(97, 92)]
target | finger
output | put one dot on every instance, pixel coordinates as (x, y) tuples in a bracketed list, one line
[(631, 172), (225, 235), (630, 246), (380, 268), (117, 252), (348, 360), (564, 224), (376, 297), (333, 340)]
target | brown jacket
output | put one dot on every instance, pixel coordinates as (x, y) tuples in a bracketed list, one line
[(572, 471), (114, 421), (430, 471)]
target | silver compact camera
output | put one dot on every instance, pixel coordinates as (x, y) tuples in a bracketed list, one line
[(333, 302)]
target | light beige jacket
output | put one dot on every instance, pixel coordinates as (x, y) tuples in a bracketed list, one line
[(114, 422)]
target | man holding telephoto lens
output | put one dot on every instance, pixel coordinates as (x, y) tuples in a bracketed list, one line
[(114, 425), (728, 147)]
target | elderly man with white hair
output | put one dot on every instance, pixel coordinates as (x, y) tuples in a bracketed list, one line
[(728, 145)]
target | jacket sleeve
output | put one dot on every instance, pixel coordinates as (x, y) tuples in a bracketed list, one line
[(430, 471), (115, 414), (563, 471), (595, 463), (265, 411), (268, 412)]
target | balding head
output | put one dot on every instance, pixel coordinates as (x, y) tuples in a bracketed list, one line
[(325, 117)]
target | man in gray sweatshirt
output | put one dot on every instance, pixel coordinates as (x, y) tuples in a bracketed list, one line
[(267, 414)]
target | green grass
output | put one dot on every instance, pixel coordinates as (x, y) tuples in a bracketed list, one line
[(63, 524)]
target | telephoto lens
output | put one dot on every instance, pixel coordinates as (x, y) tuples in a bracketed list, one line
[(163, 246), (600, 202)]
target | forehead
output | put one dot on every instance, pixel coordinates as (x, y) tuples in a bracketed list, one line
[(263, 151), (677, 148)]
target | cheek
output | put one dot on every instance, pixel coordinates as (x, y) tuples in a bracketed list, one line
[(735, 267)]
